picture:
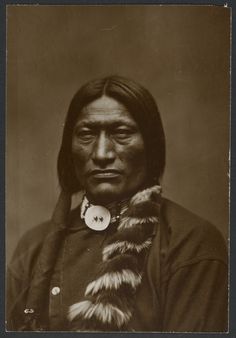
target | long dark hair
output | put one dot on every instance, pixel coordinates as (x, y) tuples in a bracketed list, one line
[(142, 106)]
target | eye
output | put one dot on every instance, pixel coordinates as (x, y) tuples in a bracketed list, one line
[(84, 134), (123, 132)]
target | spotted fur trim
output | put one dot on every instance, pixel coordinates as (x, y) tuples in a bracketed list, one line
[(130, 222), (123, 247), (113, 281), (104, 312), (106, 307)]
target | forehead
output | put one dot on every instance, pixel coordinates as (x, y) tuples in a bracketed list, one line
[(105, 110)]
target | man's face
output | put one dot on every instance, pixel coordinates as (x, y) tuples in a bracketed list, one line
[(108, 151)]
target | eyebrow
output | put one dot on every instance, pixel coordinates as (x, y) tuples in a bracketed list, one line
[(106, 123)]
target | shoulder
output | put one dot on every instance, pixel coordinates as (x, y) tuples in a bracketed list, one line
[(28, 248), (188, 237), (30, 244), (36, 234)]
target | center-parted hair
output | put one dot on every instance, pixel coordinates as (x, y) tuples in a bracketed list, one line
[(141, 105)]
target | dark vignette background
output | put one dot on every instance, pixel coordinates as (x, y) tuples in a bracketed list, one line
[(181, 54)]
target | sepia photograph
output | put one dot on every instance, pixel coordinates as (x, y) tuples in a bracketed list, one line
[(117, 168)]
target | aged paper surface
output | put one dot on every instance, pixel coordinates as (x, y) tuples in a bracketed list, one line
[(181, 54)]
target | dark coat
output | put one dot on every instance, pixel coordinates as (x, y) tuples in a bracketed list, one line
[(184, 287)]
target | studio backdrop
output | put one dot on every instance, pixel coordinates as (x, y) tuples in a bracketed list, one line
[(180, 53)]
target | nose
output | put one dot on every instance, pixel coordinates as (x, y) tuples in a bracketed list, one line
[(103, 151)]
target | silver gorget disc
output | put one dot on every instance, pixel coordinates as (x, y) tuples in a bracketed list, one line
[(97, 217)]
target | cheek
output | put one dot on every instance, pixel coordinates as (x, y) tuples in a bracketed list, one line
[(80, 155), (135, 158)]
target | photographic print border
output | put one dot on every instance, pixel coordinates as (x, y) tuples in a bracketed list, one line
[(232, 233)]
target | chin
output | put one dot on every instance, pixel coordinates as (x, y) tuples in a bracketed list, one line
[(105, 194)]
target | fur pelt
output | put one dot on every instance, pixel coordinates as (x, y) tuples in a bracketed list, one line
[(109, 298)]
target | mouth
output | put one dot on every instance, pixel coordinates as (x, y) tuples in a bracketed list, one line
[(105, 174)]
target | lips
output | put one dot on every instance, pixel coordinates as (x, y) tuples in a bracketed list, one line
[(105, 174)]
